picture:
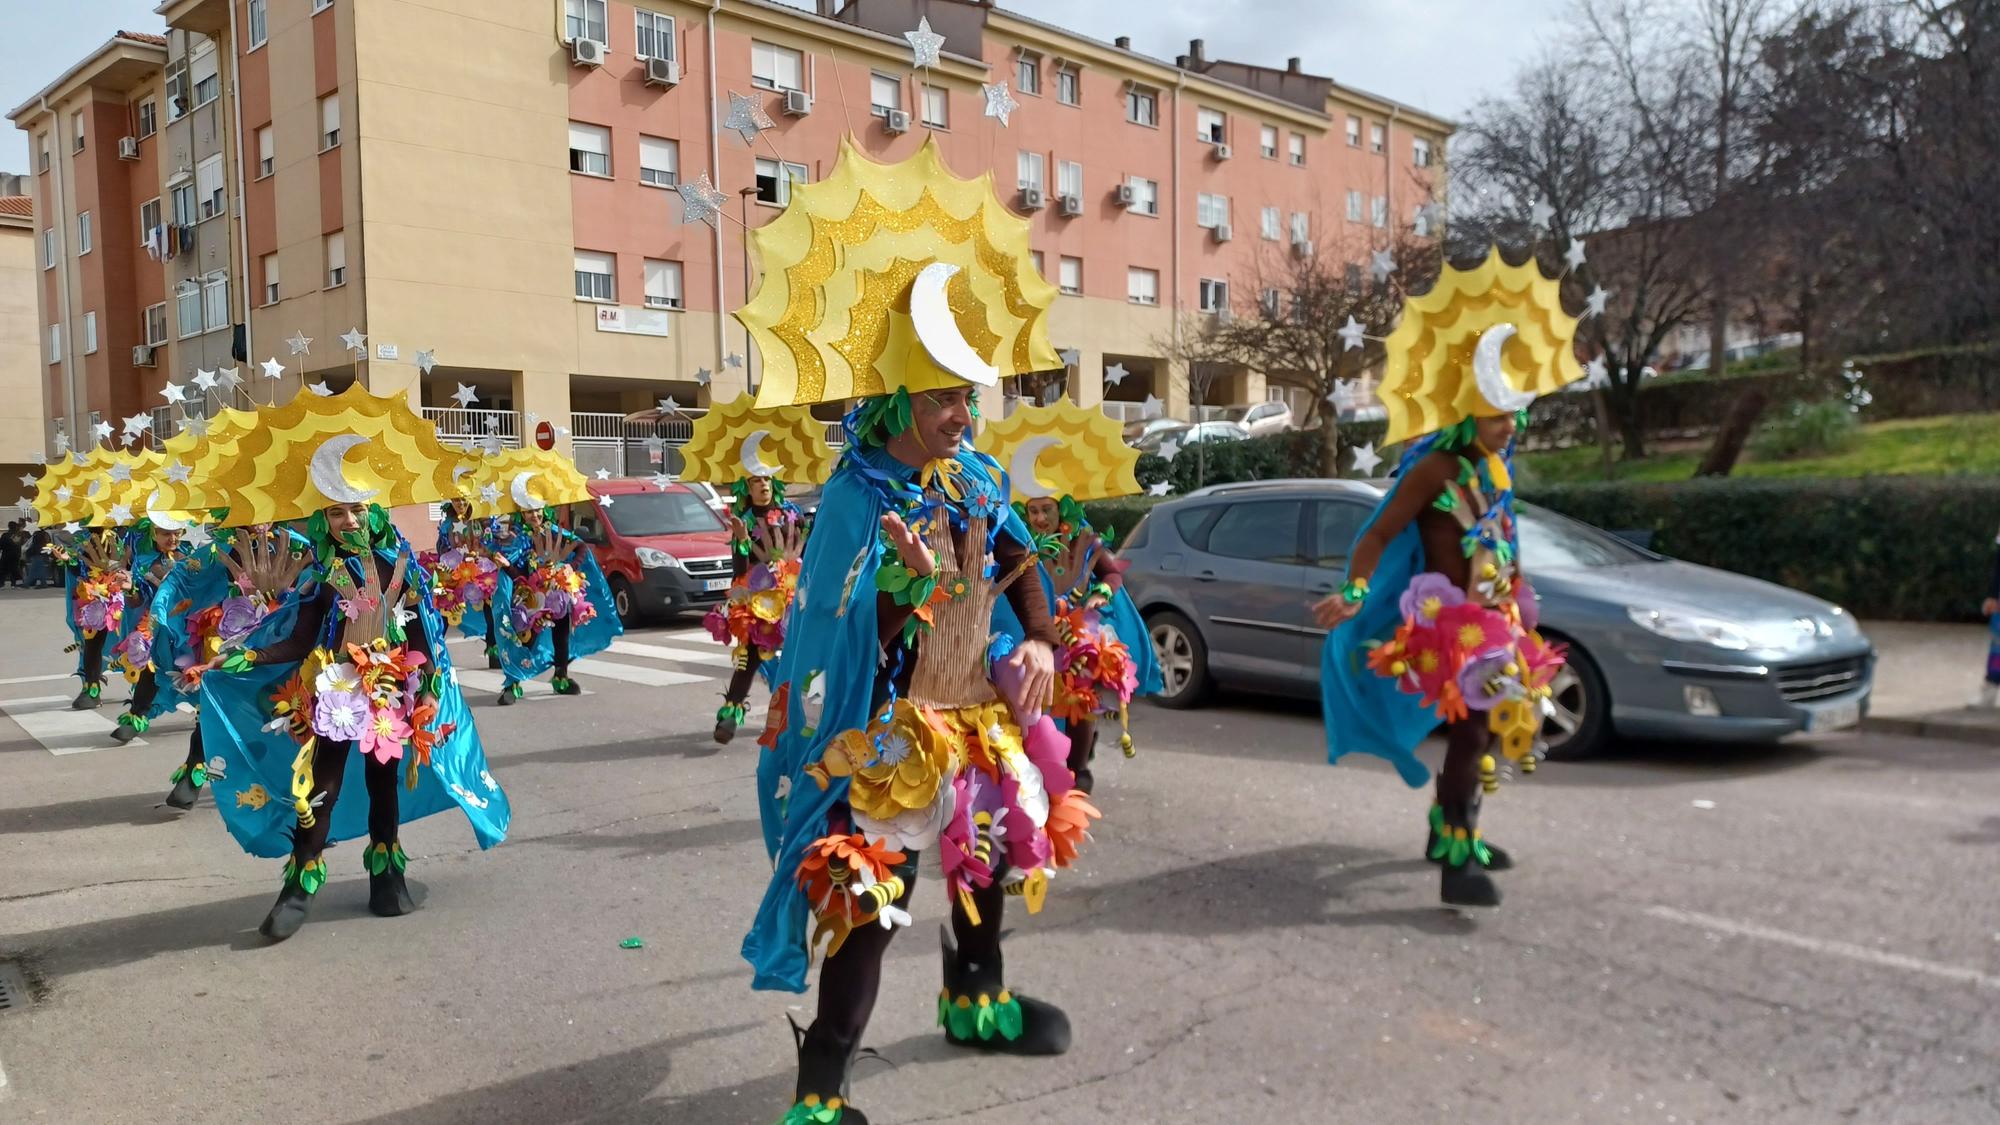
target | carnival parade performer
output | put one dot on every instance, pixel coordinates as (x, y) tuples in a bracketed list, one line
[(350, 669), (96, 565), (900, 722), (465, 575), (154, 549), (1436, 622)]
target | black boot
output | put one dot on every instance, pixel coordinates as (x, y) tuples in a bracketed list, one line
[(563, 685), (1464, 881), (493, 657), (727, 720), (289, 912), (976, 1010), (388, 893), (129, 727), (1496, 857), (187, 781), (509, 692), (821, 1092), (88, 698)]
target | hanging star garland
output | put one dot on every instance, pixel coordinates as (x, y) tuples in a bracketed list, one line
[(999, 102), (700, 202), (924, 44), (1351, 334), (464, 396), (426, 361), (1594, 304), (746, 118)]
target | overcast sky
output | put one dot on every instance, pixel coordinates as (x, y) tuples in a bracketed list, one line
[(1437, 55)]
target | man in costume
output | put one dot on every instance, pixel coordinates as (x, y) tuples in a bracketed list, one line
[(901, 722), (350, 665), (1436, 622)]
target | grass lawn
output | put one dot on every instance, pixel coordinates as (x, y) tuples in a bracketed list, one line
[(1960, 443)]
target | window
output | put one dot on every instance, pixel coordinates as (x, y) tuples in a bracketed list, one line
[(1420, 153), (1069, 275), (1030, 167), (49, 248), (1420, 222), (336, 259), (90, 333), (1035, 256), (1142, 106), (1209, 125), (55, 343), (663, 285), (654, 35), (322, 5), (258, 31), (885, 92), (1267, 303), (1214, 295), (596, 276), (775, 180), (207, 83), (208, 186), (1271, 223), (1028, 74), (270, 279), (659, 161), (1353, 206), (187, 309), (1267, 530), (584, 19), (149, 216), (149, 118), (329, 121), (83, 233), (215, 302), (76, 127), (1145, 195), (1338, 525), (1267, 141), (776, 68), (177, 102), (156, 324), (1142, 287), (183, 193), (267, 152), (1069, 86), (1211, 211), (1353, 132), (1351, 276), (1378, 211), (1377, 136), (1298, 147), (937, 107), (1301, 226), (1069, 179), (589, 149), (42, 150)]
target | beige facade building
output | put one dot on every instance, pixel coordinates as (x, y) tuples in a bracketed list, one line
[(21, 381)]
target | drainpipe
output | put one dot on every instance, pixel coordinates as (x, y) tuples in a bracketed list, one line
[(242, 197), (1389, 172), (715, 169), (1174, 300), (56, 224)]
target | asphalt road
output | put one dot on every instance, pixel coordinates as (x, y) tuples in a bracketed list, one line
[(1804, 933)]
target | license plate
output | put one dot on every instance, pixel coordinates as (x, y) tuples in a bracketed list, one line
[(714, 584), (1836, 716)]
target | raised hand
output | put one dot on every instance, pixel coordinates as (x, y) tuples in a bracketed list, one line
[(367, 607), (1334, 609), (779, 542), (1070, 569), (104, 552), (910, 547), (737, 532), (553, 548), (262, 561)]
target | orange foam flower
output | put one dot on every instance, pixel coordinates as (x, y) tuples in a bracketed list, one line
[(1069, 826)]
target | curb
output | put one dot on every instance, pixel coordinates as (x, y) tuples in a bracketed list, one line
[(1948, 731)]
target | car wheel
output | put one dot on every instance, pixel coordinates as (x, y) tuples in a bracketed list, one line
[(623, 601), (1581, 723), (1183, 659)]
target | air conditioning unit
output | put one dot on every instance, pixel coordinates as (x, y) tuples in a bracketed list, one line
[(142, 355), (1032, 199), (663, 72), (1126, 196), (798, 103), (128, 148), (1303, 247), (1070, 205), (1223, 233), (1222, 151), (586, 52), (896, 121)]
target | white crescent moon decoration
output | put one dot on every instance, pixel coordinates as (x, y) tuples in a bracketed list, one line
[(1021, 467), (752, 455), (329, 474), (930, 313), (519, 489), (160, 519), (1486, 371)]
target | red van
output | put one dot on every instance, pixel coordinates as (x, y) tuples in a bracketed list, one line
[(664, 551)]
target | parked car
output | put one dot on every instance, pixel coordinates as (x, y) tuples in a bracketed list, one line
[(709, 494), (1658, 648), (663, 551), (1184, 435), (1138, 431), (1260, 418)]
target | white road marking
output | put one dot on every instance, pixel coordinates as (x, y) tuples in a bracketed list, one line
[(701, 635), (485, 679), (1822, 945), (633, 673), (35, 679), (48, 720), (715, 658)]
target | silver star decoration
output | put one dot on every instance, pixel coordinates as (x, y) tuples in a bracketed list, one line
[(464, 396), (1159, 489), (1574, 255), (532, 418), (661, 481), (62, 444), (354, 340), (273, 369), (195, 424), (1594, 304), (492, 423), (489, 493), (604, 474), (1344, 390), (174, 393), (1540, 214), (1351, 334), (924, 44), (121, 513), (999, 103), (1070, 357), (703, 377), (605, 500), (177, 472), (654, 444), (205, 380), (732, 360), (130, 437), (669, 406), (72, 527), (562, 431), (1383, 263), (746, 118), (426, 360), (101, 431), (138, 424), (1115, 374), (197, 536), (299, 342), (1596, 373), (1150, 408), (64, 492), (700, 202), (229, 377), (28, 480), (1366, 460), (38, 457), (321, 389), (491, 444), (1170, 449)]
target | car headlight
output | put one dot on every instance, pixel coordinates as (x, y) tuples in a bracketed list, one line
[(1690, 627), (1845, 626), (651, 558)]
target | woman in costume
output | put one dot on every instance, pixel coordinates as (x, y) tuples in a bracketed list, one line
[(154, 550), (97, 567), (464, 575), (350, 669), (900, 723), (1436, 622)]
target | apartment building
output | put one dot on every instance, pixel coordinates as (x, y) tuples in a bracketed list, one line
[(484, 188), (22, 378)]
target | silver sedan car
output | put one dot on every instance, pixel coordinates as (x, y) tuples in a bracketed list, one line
[(1658, 648)]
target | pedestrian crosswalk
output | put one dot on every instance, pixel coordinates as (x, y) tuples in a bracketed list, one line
[(48, 720)]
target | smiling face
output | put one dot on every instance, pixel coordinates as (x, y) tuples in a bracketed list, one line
[(759, 490), (348, 523), (939, 421), (1044, 516), (165, 541), (1494, 433)]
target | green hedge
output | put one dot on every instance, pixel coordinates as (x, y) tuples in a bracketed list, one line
[(1898, 548), (1115, 519)]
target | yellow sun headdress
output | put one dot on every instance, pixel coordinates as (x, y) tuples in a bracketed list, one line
[(736, 441), (1062, 450), (129, 492), (193, 455), (523, 480), (315, 451), (62, 491), (888, 276), (1482, 342)]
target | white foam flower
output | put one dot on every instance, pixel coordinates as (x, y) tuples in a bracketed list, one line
[(337, 677), (892, 749)]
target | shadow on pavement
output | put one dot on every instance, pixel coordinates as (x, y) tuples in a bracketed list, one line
[(1627, 764), (1987, 833), (662, 843), (761, 1101), (92, 812), (697, 744)]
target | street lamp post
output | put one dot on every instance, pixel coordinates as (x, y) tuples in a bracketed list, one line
[(746, 194)]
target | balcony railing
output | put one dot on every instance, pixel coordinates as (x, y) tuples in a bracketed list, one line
[(466, 428)]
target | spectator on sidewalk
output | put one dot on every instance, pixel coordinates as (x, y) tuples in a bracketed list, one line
[(1989, 692), (37, 562), (12, 543)]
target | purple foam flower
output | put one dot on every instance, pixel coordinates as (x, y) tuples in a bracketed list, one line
[(1428, 593), (761, 579), (524, 619), (90, 615), (1474, 680), (138, 649), (239, 616), (1531, 610), (340, 715), (556, 602)]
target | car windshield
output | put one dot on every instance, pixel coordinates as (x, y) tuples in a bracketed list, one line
[(1234, 414), (1555, 542), (678, 512)]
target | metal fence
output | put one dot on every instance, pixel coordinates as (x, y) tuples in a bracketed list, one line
[(466, 428)]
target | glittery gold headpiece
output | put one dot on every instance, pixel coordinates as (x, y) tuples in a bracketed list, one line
[(1482, 342), (127, 484), (62, 492), (195, 453), (523, 480), (894, 275), (736, 441), (1062, 450)]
